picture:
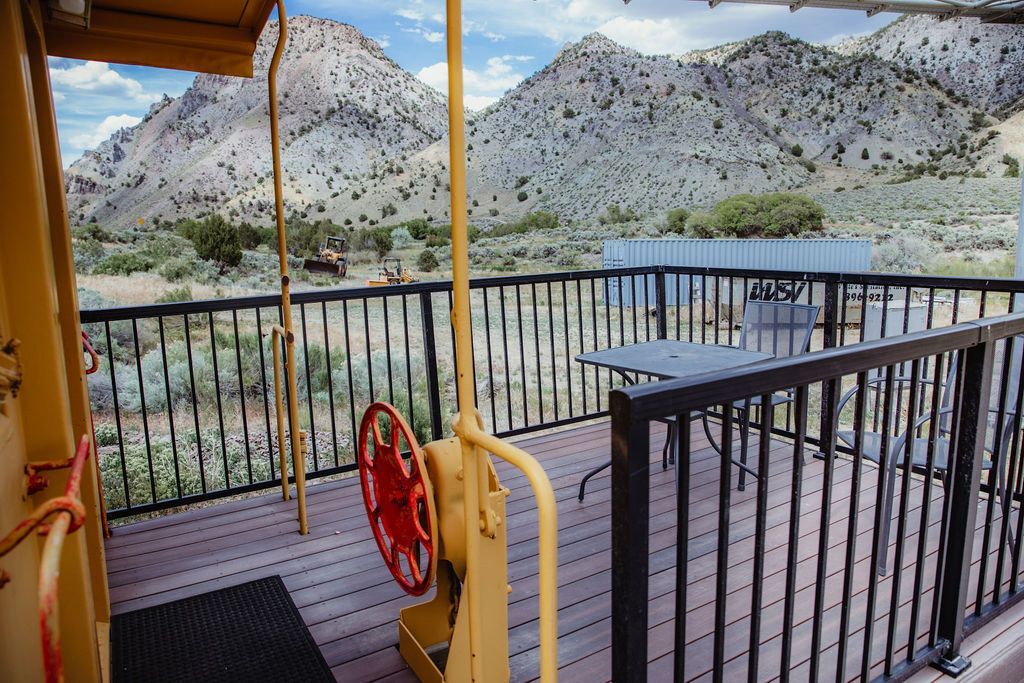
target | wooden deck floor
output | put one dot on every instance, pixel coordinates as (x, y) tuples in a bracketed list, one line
[(350, 602)]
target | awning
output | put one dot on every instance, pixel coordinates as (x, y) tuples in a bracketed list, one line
[(212, 36)]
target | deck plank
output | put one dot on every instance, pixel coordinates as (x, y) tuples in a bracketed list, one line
[(350, 603)]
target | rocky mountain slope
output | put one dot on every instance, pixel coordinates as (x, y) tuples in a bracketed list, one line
[(345, 109), (983, 62), (364, 140)]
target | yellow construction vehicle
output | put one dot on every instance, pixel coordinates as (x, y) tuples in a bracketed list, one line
[(391, 273), (331, 257)]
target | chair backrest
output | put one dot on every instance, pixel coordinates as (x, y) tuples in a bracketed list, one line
[(781, 329)]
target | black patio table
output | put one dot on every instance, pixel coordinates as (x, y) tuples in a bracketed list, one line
[(668, 359)]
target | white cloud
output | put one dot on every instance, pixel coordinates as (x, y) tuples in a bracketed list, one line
[(481, 87), (410, 14), (478, 102), (97, 78), (104, 130), (383, 40), (426, 34), (654, 36)]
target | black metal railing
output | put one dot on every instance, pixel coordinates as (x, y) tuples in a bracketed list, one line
[(864, 563), (183, 405)]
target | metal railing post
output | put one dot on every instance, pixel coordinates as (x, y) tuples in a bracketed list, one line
[(830, 329), (660, 303), (430, 361), (963, 489), (630, 526)]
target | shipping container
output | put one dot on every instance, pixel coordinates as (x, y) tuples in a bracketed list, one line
[(812, 255)]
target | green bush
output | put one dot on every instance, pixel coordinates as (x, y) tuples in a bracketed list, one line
[(776, 214), (122, 264), (377, 240), (91, 231), (250, 236), (702, 224), (522, 196), (419, 228), (216, 240), (427, 261), (675, 220), (183, 293), (178, 268), (535, 220), (615, 215), (796, 150), (1012, 167), (401, 238)]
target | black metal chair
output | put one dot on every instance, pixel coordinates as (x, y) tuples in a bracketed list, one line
[(779, 328), (1004, 407)]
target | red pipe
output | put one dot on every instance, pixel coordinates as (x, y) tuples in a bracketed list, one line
[(70, 515)]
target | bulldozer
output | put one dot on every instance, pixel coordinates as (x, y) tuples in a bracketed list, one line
[(331, 257), (391, 273)]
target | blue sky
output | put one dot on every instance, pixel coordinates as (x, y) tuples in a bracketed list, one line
[(503, 43)]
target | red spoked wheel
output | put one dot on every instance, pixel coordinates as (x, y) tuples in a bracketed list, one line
[(398, 497)]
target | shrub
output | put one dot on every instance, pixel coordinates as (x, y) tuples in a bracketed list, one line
[(122, 264), (250, 236), (401, 238), (175, 295), (1012, 167), (864, 154), (615, 215), (702, 224), (535, 220), (520, 181), (87, 252), (675, 221), (437, 241), (217, 240), (377, 240), (776, 214), (522, 196), (900, 253), (419, 228), (717, 124), (796, 150), (176, 269), (95, 232), (427, 261)]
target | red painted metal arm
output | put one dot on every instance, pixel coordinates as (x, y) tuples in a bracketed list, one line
[(69, 516)]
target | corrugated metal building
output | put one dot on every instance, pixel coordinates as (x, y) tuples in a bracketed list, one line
[(813, 255)]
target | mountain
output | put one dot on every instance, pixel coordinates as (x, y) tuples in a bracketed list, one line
[(345, 109), (982, 62), (878, 111), (364, 140)]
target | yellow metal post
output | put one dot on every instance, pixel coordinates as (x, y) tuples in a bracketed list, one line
[(474, 441), (286, 302)]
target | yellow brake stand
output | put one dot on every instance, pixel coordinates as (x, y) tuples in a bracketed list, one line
[(445, 500), (427, 504)]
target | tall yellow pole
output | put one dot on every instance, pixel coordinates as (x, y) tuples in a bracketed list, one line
[(476, 497), (298, 457)]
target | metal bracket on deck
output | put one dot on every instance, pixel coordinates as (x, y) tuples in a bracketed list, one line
[(953, 667)]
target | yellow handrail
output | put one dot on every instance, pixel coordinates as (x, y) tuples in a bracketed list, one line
[(285, 331), (547, 516)]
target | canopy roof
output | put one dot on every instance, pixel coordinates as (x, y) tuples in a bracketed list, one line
[(213, 36), (993, 11)]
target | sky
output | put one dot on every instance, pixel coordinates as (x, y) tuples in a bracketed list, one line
[(503, 43)]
